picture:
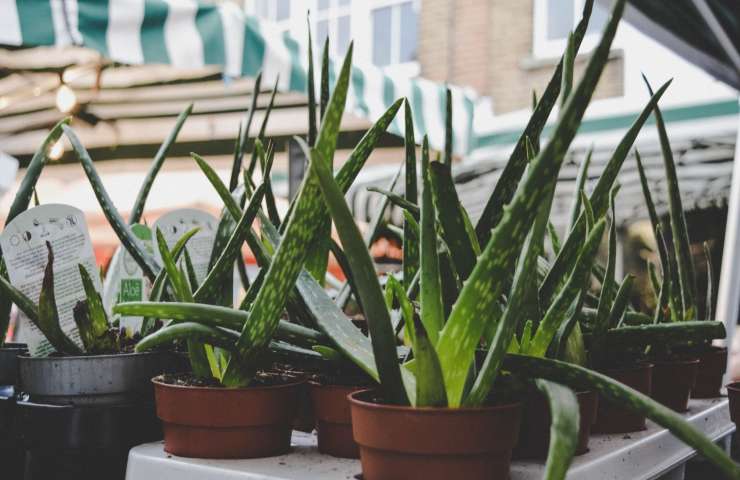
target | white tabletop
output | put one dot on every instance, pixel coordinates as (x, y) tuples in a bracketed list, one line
[(641, 455)]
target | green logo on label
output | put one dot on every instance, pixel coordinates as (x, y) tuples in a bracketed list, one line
[(131, 290)]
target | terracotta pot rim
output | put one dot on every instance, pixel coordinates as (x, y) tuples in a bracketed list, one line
[(298, 382), (352, 397), (633, 368), (314, 383)]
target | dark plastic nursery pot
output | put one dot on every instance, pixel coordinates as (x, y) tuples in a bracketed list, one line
[(12, 454), (712, 367), (405, 443), (211, 422), (733, 393), (534, 436), (9, 362), (612, 418), (334, 419), (673, 381)]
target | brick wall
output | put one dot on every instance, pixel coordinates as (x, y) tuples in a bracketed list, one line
[(487, 45)]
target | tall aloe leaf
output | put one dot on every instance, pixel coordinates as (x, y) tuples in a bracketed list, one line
[(191, 276), (626, 397), (564, 425), (569, 58), (665, 333), (138, 209), (293, 249), (20, 204), (137, 251), (709, 302), (666, 262), (447, 160), (363, 271), (263, 127), (621, 301), (236, 167), (432, 311), (684, 258), (575, 209), (599, 200), (410, 246), (430, 390), (559, 310), (24, 304), (507, 183), (464, 247), (223, 266), (607, 288), (48, 317), (324, 93), (311, 86), (513, 315), (462, 332)]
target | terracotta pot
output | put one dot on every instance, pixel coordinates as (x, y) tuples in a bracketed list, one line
[(673, 381), (405, 443), (334, 420), (733, 393), (614, 419), (208, 422), (534, 436), (712, 367)]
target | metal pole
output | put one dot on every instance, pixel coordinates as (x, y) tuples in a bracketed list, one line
[(728, 293)]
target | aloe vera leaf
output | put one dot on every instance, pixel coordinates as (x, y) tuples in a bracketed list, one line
[(564, 426), (526, 336), (48, 316), (272, 210), (311, 87), (447, 159), (630, 318), (588, 213), (558, 312), (510, 177), (672, 333), (293, 249), (554, 239), (363, 269), (160, 282), (599, 199), (410, 244), (621, 300), (229, 201), (129, 241), (215, 316), (686, 272), (626, 397), (569, 344), (99, 337), (432, 309), (709, 301), (15, 296), (662, 301), (189, 271), (263, 127), (430, 390), (192, 332), (138, 209), (566, 81), (231, 252), (654, 281), (575, 209), (324, 88), (512, 316), (407, 308), (236, 166), (462, 332), (463, 248), (397, 200), (607, 291), (653, 215)]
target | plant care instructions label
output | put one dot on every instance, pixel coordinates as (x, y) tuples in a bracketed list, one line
[(126, 282), (177, 223), (24, 249)]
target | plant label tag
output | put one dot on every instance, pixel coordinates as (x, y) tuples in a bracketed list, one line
[(24, 249), (177, 223), (126, 282)]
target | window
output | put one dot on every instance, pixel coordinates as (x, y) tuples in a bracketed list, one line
[(332, 18), (394, 33), (555, 19), (274, 10)]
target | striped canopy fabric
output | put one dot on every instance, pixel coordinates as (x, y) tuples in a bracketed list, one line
[(192, 34)]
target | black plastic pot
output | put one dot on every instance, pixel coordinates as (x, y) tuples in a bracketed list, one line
[(81, 443), (12, 454)]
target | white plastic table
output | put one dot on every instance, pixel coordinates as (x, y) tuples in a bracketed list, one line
[(635, 456)]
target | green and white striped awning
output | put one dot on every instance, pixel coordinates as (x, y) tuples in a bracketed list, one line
[(192, 34)]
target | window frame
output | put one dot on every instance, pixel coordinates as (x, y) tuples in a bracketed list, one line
[(408, 68), (543, 47)]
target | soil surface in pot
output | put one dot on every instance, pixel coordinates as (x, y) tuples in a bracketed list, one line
[(616, 419), (673, 380), (405, 443)]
